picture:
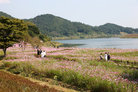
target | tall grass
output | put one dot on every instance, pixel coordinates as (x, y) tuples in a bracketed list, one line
[(95, 84), (108, 65), (131, 74)]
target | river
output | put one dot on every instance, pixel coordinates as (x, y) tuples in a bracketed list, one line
[(124, 43)]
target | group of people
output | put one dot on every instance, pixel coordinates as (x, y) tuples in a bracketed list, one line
[(106, 56), (41, 53)]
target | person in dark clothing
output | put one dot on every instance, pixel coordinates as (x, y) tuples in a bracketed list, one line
[(108, 56), (38, 52), (101, 56)]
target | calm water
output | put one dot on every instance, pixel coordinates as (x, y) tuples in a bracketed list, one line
[(125, 43)]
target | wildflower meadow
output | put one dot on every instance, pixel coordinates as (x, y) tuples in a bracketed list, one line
[(78, 69)]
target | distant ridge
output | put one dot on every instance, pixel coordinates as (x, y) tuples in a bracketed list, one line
[(57, 27), (5, 14)]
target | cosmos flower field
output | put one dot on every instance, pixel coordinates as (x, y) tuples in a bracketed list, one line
[(80, 68)]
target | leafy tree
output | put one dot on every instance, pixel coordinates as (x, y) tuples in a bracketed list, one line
[(46, 38), (35, 42), (11, 32), (33, 29)]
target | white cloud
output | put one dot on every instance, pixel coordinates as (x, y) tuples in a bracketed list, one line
[(4, 1)]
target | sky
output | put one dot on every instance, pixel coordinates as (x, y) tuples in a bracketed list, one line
[(91, 12)]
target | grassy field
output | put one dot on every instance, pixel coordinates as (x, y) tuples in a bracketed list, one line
[(130, 36), (73, 68)]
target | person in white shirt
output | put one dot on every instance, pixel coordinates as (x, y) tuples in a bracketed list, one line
[(106, 56), (43, 54)]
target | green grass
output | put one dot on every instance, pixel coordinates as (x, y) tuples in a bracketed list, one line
[(62, 57), (82, 82), (7, 58), (108, 65), (131, 74), (8, 52), (88, 52), (130, 36), (102, 50), (126, 54)]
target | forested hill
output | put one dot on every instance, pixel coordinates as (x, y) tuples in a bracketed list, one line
[(116, 29), (5, 14), (55, 26), (58, 27)]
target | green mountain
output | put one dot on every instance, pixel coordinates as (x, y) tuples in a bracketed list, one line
[(116, 29), (58, 27), (5, 14)]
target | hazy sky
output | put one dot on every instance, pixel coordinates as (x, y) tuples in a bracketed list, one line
[(92, 12)]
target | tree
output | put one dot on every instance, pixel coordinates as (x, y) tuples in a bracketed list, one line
[(11, 31), (35, 42), (33, 29)]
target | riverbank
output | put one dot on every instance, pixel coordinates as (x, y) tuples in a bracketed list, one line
[(130, 36), (76, 68)]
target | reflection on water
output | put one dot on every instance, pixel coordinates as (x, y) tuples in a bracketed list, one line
[(125, 43), (70, 45)]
